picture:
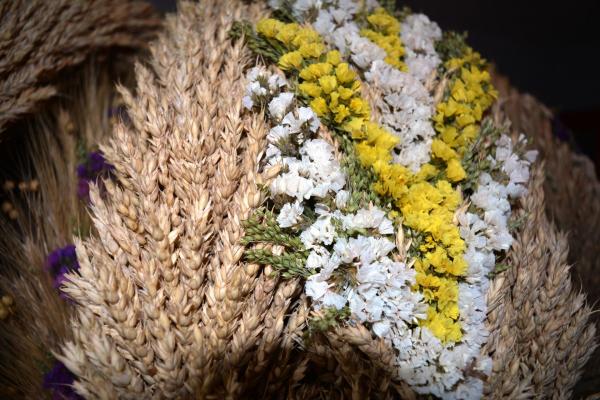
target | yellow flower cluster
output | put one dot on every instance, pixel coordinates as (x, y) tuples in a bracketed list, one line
[(457, 118), (332, 89), (384, 31)]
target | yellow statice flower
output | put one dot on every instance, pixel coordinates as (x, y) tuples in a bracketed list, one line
[(319, 106), (311, 50), (328, 83), (454, 171), (291, 60), (333, 57), (269, 27), (310, 89), (384, 31), (286, 33), (315, 71)]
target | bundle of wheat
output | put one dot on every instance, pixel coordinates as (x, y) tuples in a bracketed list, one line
[(329, 203)]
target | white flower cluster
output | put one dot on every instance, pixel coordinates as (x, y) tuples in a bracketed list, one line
[(262, 85), (349, 252), (419, 35), (405, 105), (485, 233), (380, 290), (406, 109)]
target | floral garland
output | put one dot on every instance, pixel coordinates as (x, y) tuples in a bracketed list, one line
[(438, 330), (348, 263)]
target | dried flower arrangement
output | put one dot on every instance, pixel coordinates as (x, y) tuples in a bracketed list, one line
[(324, 202)]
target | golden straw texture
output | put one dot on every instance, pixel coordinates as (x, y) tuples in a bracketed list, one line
[(572, 193), (165, 305), (40, 38), (540, 336)]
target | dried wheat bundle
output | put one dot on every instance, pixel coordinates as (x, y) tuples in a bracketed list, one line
[(40, 38), (326, 203), (570, 179)]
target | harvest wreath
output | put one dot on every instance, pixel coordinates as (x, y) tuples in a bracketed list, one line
[(326, 201)]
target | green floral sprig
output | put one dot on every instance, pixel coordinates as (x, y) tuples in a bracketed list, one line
[(329, 318), (475, 158), (290, 265), (270, 50), (451, 45), (262, 227)]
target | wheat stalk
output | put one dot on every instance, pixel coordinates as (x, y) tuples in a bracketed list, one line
[(38, 39)]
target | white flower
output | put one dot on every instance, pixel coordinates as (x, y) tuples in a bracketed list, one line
[(317, 258), (276, 82), (332, 299), (277, 133), (290, 214), (292, 185), (321, 231), (369, 218), (280, 105), (341, 198), (315, 288), (247, 102)]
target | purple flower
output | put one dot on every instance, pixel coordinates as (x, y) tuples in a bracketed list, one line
[(93, 168), (60, 262), (60, 381)]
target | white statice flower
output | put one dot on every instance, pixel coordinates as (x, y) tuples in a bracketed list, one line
[(278, 133), (290, 214), (516, 168), (317, 258), (276, 82), (341, 199), (321, 232), (306, 119), (315, 174), (293, 185), (315, 287), (419, 35), (262, 85), (406, 110), (371, 218), (279, 105)]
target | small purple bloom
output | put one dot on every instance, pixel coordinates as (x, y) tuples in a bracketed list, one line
[(60, 381), (59, 263), (91, 170)]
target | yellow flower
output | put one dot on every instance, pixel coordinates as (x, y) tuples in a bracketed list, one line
[(291, 60), (345, 93), (310, 89), (355, 127), (319, 106), (341, 112), (384, 22), (344, 74), (333, 57), (315, 71), (287, 33), (441, 150), (328, 83), (306, 35), (268, 27), (313, 50), (359, 107)]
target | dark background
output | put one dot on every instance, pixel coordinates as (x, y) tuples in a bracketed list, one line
[(549, 49)]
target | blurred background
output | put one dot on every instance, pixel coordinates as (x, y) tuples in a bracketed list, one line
[(548, 49)]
